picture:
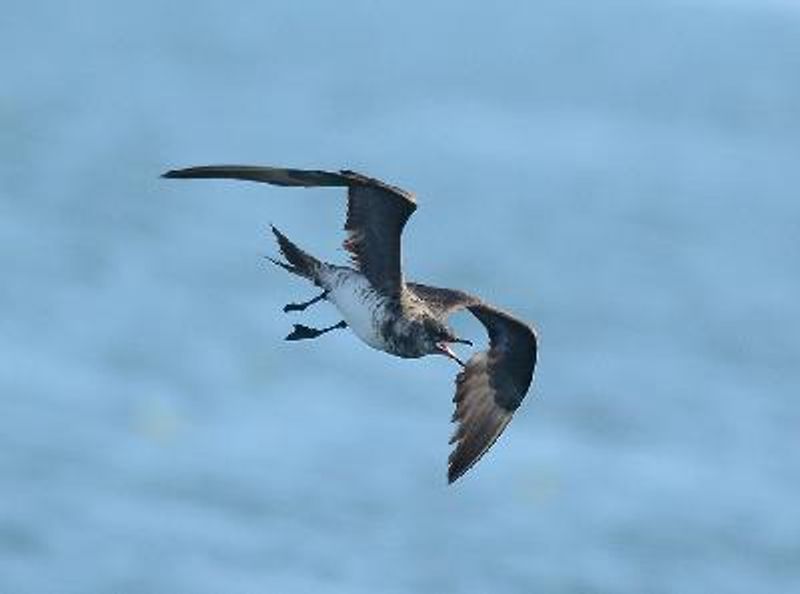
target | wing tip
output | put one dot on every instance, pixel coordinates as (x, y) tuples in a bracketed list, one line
[(453, 475), (456, 468), (183, 173)]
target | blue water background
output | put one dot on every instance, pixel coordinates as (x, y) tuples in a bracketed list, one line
[(623, 174)]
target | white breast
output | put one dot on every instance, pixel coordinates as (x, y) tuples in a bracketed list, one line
[(360, 305)]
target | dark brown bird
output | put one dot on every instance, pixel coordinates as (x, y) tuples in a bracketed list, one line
[(402, 318)]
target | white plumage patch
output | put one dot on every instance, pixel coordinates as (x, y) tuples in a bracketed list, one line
[(360, 305)]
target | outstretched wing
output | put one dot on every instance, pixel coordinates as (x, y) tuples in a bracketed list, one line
[(490, 387), (277, 176), (376, 213)]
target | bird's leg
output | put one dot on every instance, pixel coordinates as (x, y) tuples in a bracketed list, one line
[(302, 306), (301, 332)]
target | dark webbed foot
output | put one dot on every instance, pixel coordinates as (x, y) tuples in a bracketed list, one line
[(306, 304), (301, 332)]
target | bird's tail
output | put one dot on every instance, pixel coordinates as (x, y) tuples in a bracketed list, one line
[(297, 261)]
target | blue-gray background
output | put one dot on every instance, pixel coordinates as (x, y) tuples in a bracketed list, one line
[(624, 174)]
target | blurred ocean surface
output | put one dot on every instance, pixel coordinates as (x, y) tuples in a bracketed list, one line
[(623, 174)]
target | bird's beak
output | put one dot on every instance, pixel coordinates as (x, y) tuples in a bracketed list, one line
[(444, 349), (463, 341)]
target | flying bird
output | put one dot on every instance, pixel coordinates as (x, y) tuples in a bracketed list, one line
[(402, 318)]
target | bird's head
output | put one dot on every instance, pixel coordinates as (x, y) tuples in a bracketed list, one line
[(440, 337)]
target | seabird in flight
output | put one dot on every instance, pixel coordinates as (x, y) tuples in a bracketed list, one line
[(402, 318)]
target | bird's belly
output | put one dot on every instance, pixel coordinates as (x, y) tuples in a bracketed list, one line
[(360, 305)]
